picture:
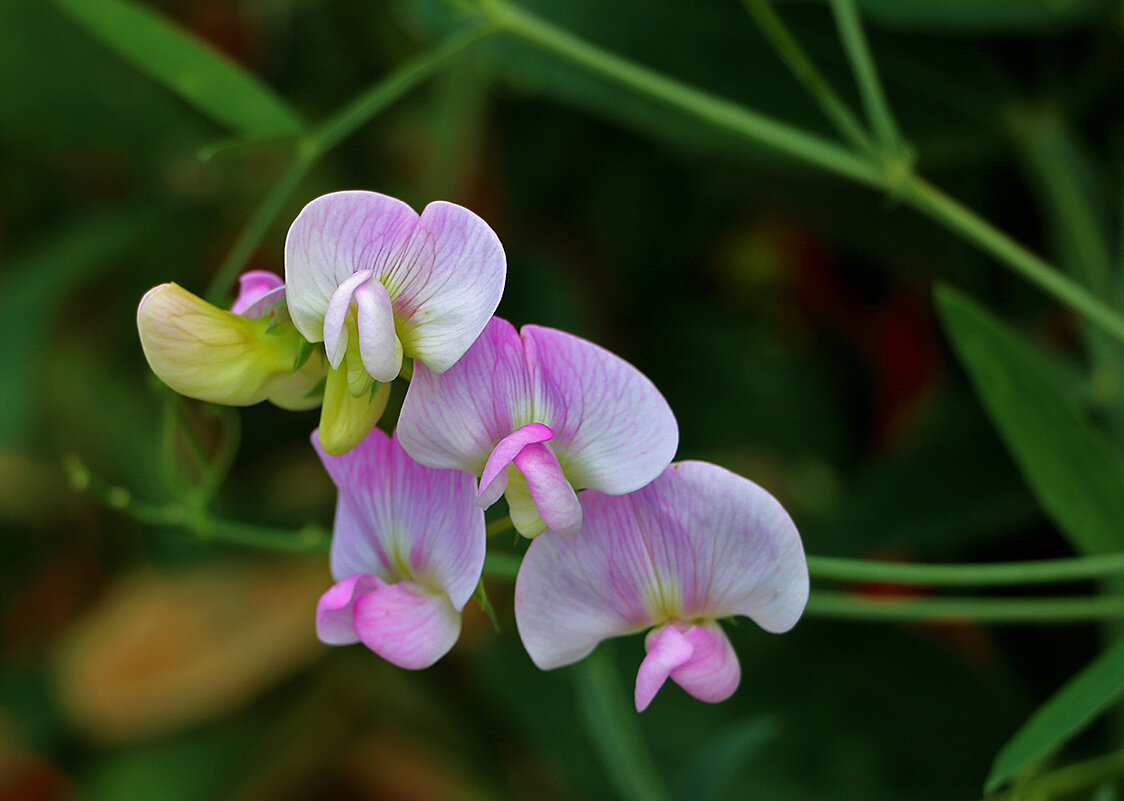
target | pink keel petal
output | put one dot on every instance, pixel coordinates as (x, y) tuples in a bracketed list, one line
[(493, 481), (713, 673), (378, 344), (335, 317), (668, 649), (255, 286), (553, 496), (335, 612), (407, 624)]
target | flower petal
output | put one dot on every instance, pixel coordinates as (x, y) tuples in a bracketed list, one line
[(667, 650), (346, 419), (446, 282), (335, 613), (335, 329), (400, 521), (210, 354), (257, 290), (712, 673), (407, 624), (378, 344), (613, 429), (454, 420), (554, 498), (334, 236), (493, 481), (699, 542)]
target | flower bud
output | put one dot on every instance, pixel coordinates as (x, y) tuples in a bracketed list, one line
[(210, 354)]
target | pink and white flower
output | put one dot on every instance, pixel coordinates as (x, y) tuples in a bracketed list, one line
[(407, 553), (376, 282), (696, 545), (539, 414)]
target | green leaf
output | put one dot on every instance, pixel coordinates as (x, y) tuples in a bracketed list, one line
[(208, 80), (1076, 477), (1088, 694)]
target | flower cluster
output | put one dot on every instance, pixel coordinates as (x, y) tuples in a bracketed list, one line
[(577, 440)]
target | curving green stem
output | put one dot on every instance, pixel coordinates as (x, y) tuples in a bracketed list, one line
[(965, 610), (802, 68), (325, 137), (892, 173), (1046, 571), (862, 64), (196, 521)]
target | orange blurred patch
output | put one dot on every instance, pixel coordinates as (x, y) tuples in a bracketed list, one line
[(161, 652)]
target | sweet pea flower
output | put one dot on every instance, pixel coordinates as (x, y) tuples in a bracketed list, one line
[(538, 414), (238, 357), (407, 553), (697, 544), (377, 283)]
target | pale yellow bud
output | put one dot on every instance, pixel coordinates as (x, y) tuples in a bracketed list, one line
[(305, 388), (346, 420), (204, 352)]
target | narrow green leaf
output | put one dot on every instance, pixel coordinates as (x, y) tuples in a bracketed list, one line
[(1076, 477), (208, 80), (1088, 694)]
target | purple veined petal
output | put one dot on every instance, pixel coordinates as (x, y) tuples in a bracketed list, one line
[(257, 291), (712, 673), (554, 498), (333, 237), (455, 419), (667, 650), (446, 282), (398, 520), (493, 481), (335, 333), (407, 624), (699, 542), (379, 346), (614, 431), (335, 612)]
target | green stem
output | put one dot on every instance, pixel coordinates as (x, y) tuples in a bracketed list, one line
[(256, 230), (502, 565), (894, 175), (612, 727), (499, 526), (198, 522), (709, 108), (802, 68), (961, 575), (935, 204), (404, 78), (325, 137), (866, 76), (965, 610)]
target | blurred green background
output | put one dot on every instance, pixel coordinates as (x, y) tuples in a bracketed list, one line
[(784, 313)]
